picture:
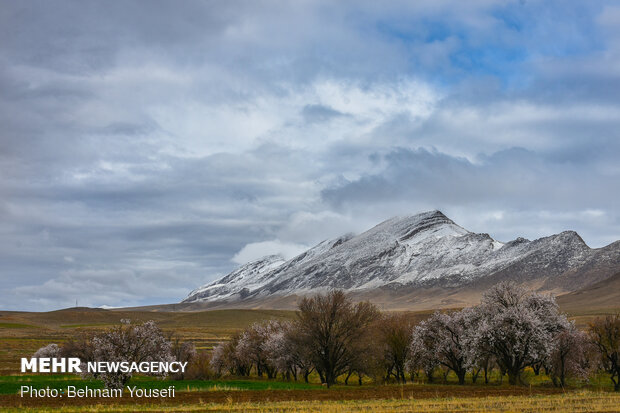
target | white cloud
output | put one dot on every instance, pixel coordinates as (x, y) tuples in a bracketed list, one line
[(257, 250)]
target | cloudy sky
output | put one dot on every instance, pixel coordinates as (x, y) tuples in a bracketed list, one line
[(149, 147)]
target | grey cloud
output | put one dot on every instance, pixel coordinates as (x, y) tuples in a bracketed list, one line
[(190, 217), (144, 144), (514, 180)]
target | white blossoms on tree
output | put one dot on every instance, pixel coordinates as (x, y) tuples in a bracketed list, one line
[(279, 350), (516, 327), (421, 358), (443, 339), (225, 357), (286, 352), (49, 351), (251, 345), (130, 343)]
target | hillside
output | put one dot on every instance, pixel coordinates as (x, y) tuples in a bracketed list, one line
[(600, 296)]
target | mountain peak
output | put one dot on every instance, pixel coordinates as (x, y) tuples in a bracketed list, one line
[(431, 222), (572, 236), (414, 220), (434, 215)]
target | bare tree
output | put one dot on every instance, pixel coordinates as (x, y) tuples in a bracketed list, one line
[(395, 338), (199, 368), (80, 346), (329, 326), (367, 355), (569, 356), (605, 336), (182, 351), (516, 327)]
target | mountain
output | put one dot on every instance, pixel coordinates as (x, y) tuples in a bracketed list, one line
[(419, 261)]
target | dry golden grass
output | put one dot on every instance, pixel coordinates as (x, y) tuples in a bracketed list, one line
[(568, 402)]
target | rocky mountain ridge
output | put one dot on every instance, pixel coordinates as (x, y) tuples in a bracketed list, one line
[(406, 255)]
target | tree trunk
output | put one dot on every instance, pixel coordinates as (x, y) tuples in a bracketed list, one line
[(474, 375), (513, 376), (461, 375), (346, 380), (329, 379), (616, 382), (429, 376), (512, 379)]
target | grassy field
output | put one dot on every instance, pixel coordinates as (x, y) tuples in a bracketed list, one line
[(23, 333)]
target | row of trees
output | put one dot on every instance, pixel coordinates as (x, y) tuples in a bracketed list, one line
[(509, 330)]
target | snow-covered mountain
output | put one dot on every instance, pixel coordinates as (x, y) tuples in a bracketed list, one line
[(423, 251)]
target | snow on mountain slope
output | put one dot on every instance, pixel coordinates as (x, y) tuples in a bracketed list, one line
[(426, 249), (248, 276)]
